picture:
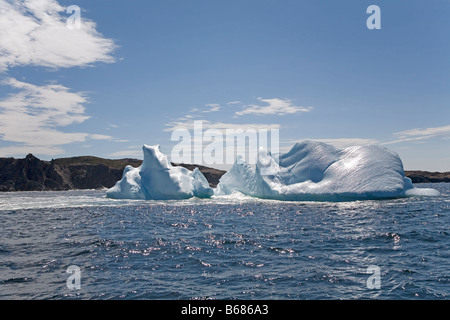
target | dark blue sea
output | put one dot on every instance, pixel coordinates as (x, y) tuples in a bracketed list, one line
[(224, 248)]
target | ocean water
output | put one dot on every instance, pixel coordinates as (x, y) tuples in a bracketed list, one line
[(230, 247)]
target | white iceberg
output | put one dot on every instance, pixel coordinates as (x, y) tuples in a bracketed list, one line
[(313, 170), (157, 179)]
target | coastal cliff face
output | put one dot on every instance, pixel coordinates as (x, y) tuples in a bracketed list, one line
[(428, 177), (33, 174)]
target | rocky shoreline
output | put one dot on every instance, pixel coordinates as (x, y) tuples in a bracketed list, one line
[(33, 174), (428, 177)]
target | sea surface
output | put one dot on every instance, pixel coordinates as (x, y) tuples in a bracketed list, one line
[(232, 247)]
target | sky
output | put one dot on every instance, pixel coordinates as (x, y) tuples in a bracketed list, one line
[(134, 71)]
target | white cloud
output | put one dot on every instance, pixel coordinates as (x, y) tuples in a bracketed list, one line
[(130, 152), (189, 125), (419, 134), (406, 140), (428, 132), (35, 33), (100, 137), (24, 150), (213, 107), (274, 107), (32, 117)]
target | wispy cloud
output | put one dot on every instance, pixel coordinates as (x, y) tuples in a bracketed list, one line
[(22, 150), (213, 107), (234, 102), (35, 33), (273, 106), (189, 125), (419, 134), (100, 137), (427, 132), (416, 134), (33, 116), (134, 152)]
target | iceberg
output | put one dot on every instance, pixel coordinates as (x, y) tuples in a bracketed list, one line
[(310, 171), (316, 171), (157, 179)]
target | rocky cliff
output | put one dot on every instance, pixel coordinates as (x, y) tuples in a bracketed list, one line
[(33, 174), (428, 177)]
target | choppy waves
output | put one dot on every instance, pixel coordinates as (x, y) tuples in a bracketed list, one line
[(225, 248)]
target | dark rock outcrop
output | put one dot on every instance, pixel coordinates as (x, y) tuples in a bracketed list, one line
[(428, 177), (33, 174)]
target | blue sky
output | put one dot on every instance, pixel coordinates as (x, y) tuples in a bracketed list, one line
[(138, 69)]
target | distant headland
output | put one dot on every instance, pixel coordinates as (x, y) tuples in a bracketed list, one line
[(87, 172)]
